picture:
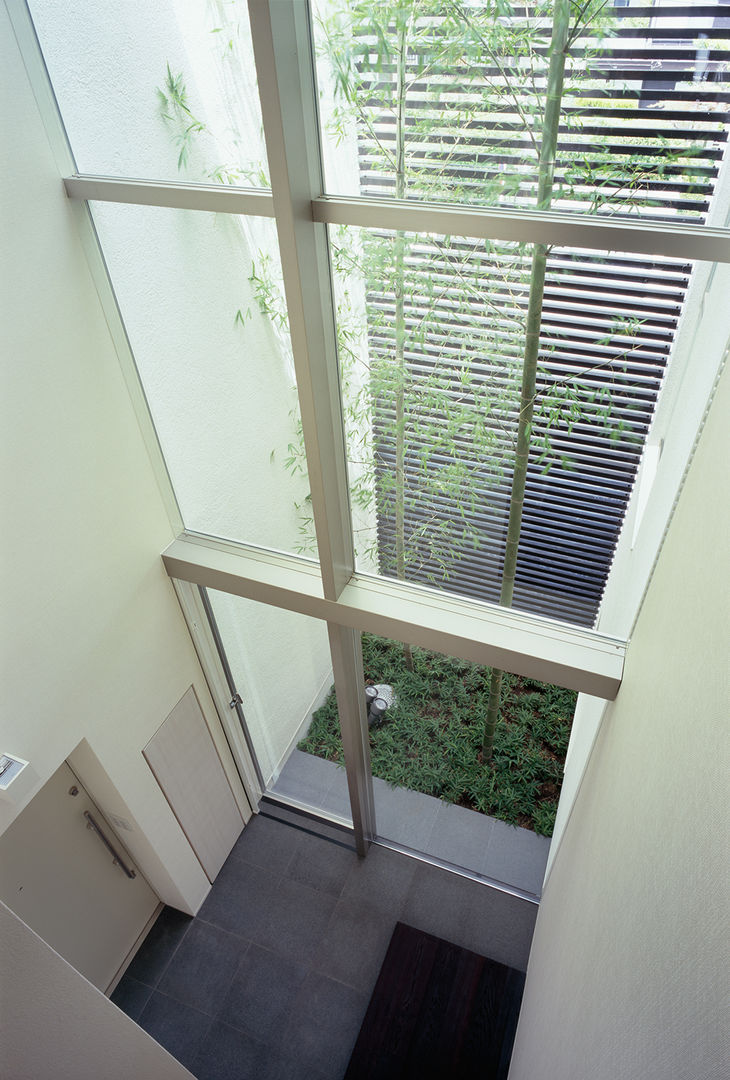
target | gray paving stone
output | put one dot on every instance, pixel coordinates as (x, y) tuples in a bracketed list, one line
[(403, 816), (239, 898), (301, 822), (131, 997), (337, 796), (435, 904), (497, 925), (516, 856), (321, 864), (463, 837), (290, 1067), (159, 946), (262, 992), (175, 1026), (294, 920), (264, 843), (311, 1034), (470, 914), (306, 778), (460, 836), (202, 969), (382, 879), (355, 943), (229, 1054)]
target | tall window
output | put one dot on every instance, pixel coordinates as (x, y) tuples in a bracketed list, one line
[(401, 281)]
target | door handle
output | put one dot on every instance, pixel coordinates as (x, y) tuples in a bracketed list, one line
[(92, 823)]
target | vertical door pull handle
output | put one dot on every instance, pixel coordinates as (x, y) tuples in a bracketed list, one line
[(92, 823)]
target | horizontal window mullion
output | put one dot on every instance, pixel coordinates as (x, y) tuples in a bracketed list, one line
[(221, 199), (529, 226), (515, 641)]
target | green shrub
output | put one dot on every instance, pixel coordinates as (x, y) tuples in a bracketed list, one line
[(431, 740)]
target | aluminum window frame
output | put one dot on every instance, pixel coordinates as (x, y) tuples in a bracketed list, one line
[(331, 589), (699, 243)]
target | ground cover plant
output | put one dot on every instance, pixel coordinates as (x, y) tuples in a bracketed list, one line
[(431, 740)]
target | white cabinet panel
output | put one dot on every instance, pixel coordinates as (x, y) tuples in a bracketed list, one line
[(185, 762)]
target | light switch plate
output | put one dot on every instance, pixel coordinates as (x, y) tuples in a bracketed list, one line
[(16, 777)]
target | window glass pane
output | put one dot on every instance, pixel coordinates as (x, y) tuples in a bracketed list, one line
[(282, 669), (427, 100), (203, 309), (434, 348), (161, 91), (433, 790)]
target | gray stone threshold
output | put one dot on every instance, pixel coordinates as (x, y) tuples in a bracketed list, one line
[(475, 842)]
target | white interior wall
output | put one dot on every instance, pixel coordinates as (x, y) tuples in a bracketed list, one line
[(698, 352), (628, 969), (54, 1025), (222, 395), (107, 64), (700, 349), (95, 650)]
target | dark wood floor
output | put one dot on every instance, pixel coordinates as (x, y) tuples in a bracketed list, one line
[(437, 1011)]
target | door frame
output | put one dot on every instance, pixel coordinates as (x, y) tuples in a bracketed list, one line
[(222, 691)]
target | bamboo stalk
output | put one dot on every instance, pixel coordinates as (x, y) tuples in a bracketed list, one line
[(400, 332), (546, 169)]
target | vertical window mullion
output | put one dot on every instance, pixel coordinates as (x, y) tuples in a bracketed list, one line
[(284, 65), (282, 44), (346, 652)]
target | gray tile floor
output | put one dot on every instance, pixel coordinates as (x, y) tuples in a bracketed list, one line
[(272, 979), (482, 844)]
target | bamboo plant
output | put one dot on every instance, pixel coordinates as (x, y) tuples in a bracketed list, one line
[(546, 170), (389, 51)]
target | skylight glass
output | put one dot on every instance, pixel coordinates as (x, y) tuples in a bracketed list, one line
[(434, 353), (203, 308), (446, 100), (162, 91)]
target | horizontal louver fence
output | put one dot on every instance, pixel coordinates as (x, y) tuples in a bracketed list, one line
[(642, 133)]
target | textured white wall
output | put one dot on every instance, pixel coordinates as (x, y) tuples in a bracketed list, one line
[(54, 1025), (94, 645), (697, 356), (698, 353), (630, 959), (222, 395), (107, 63)]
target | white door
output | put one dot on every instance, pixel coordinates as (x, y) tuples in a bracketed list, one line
[(59, 874)]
